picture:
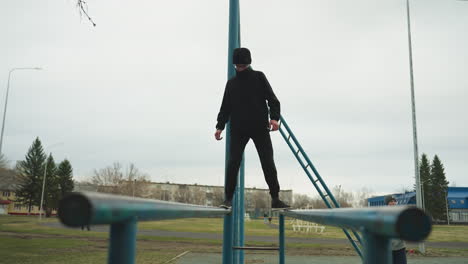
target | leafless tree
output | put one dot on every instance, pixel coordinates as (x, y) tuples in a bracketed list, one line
[(4, 163), (108, 176), (217, 196), (183, 194), (259, 200), (345, 199), (318, 203), (113, 179), (361, 196), (198, 196), (302, 201)]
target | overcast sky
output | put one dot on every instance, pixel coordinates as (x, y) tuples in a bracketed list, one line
[(146, 83)]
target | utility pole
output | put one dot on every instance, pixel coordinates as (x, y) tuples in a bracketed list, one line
[(419, 204)]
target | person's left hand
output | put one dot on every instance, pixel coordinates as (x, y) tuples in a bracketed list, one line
[(274, 125)]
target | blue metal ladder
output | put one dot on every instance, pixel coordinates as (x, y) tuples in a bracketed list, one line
[(317, 181)]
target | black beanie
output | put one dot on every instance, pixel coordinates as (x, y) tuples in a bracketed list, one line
[(241, 56)]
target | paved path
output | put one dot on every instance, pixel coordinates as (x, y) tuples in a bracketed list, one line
[(216, 236), (273, 259)]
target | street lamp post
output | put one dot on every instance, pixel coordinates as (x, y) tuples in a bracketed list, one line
[(6, 99), (43, 186), (446, 206), (415, 134), (44, 179)]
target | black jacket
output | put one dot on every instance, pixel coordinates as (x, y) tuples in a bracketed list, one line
[(245, 102)]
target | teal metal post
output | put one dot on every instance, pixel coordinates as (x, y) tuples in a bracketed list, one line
[(122, 242), (234, 42), (281, 240), (376, 249), (239, 211)]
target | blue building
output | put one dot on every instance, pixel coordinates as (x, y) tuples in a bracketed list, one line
[(457, 202)]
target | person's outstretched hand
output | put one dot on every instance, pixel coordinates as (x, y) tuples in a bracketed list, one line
[(274, 125), (218, 134)]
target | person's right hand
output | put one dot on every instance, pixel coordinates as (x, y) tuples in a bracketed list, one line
[(218, 134)]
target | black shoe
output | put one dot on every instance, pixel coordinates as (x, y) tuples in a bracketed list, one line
[(278, 204), (227, 204)]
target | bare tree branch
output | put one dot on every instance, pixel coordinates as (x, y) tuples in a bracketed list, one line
[(83, 8), (112, 179)]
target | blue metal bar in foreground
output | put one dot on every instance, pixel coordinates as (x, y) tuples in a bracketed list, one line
[(122, 213), (378, 226)]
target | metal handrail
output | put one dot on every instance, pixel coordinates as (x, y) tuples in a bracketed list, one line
[(378, 225), (122, 213), (86, 208)]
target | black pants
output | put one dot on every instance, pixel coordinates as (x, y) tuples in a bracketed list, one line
[(399, 256), (264, 147)]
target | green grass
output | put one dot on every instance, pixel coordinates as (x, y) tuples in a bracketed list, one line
[(452, 233), (440, 233), (24, 239), (70, 251), (215, 225)]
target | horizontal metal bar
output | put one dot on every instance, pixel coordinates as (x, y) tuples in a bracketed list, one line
[(405, 222), (256, 248), (84, 208)]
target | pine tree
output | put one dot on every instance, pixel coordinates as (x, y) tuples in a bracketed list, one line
[(30, 172), (65, 177), (51, 187), (425, 176), (439, 185)]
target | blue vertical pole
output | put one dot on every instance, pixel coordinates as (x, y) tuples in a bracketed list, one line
[(235, 216), (122, 242), (234, 42), (376, 249), (239, 216), (281, 240)]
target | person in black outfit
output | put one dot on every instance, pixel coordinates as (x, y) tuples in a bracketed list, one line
[(245, 106)]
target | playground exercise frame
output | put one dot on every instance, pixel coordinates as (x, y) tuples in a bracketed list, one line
[(378, 225)]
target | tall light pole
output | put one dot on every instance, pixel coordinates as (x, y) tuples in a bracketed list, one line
[(44, 178), (6, 99), (43, 185), (446, 205), (419, 204)]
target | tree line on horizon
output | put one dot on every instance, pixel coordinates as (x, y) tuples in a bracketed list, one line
[(29, 175), (434, 187)]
